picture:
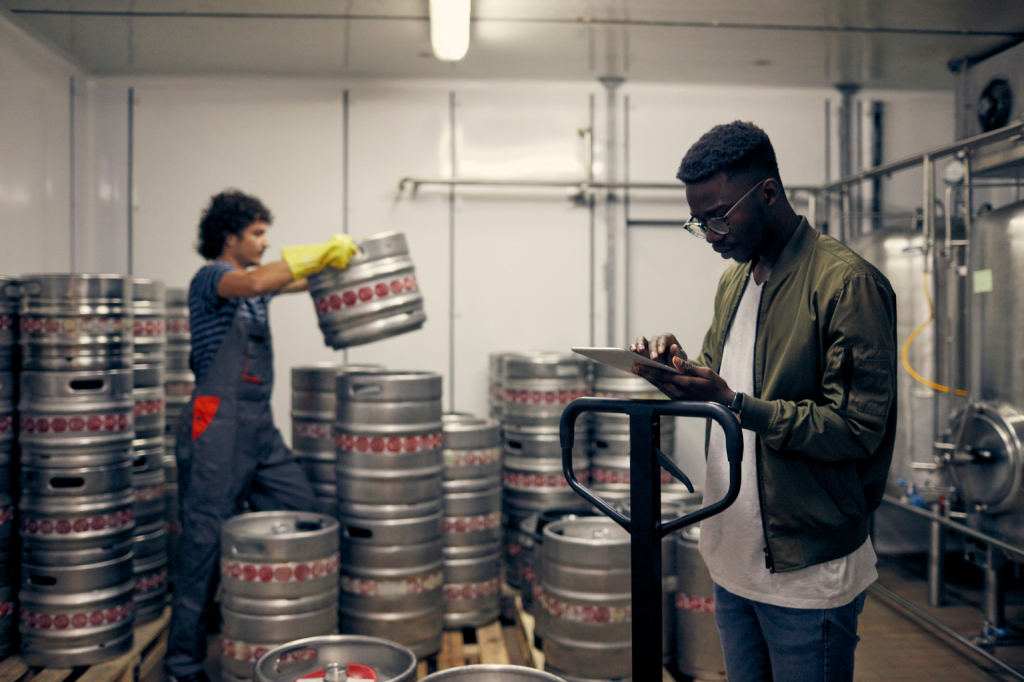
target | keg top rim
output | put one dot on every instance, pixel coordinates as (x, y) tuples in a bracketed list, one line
[(241, 525), (617, 534)]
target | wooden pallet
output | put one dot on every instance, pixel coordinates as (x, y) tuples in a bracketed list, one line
[(144, 663)]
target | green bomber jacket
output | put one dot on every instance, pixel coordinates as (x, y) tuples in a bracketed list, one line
[(824, 403)]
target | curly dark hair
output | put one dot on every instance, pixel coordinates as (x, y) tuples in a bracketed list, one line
[(736, 148), (229, 212)]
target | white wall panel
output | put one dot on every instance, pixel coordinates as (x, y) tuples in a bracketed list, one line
[(35, 160), (277, 141)]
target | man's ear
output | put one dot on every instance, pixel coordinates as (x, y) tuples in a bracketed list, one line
[(771, 191)]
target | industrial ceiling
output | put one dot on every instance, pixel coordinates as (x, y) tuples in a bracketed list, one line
[(903, 44)]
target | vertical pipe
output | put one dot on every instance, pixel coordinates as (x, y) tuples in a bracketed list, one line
[(826, 208), (936, 559), (344, 173), (995, 597), (71, 174), (846, 142), (611, 83), (451, 260), (877, 157), (645, 546), (131, 178), (592, 206), (971, 318), (625, 203)]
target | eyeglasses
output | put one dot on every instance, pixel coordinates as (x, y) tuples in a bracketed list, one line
[(699, 227)]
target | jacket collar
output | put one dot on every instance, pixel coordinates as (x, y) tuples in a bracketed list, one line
[(796, 249)]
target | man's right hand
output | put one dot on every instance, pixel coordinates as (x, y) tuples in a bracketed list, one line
[(661, 348)]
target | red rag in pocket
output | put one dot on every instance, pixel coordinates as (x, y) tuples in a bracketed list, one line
[(204, 407)]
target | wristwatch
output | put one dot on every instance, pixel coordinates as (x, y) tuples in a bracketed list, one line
[(737, 403)]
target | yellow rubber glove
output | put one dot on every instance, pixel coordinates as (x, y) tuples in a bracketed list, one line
[(310, 259)]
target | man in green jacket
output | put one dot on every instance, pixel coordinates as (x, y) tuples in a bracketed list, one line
[(802, 347)]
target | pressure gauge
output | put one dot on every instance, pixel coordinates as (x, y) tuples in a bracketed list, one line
[(953, 174)]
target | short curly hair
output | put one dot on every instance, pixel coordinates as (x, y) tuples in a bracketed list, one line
[(229, 212), (733, 148)]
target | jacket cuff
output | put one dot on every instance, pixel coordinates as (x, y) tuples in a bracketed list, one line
[(756, 414)]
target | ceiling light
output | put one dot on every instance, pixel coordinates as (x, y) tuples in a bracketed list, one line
[(449, 29)]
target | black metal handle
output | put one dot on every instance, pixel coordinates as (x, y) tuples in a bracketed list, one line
[(674, 408)]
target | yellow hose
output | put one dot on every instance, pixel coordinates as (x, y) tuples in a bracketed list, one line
[(910, 340)]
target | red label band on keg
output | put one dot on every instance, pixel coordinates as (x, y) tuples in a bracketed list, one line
[(85, 423), (178, 325), (465, 591), (470, 458), (147, 407), (179, 388), (6, 514), (602, 475), (544, 397), (6, 322), (7, 608), (153, 492), (75, 326), (526, 481), (79, 620), (312, 430), (354, 672), (685, 602), (392, 588), (356, 443), (365, 293), (36, 527), (582, 613), (172, 528), (151, 582), (296, 571), (149, 328), (497, 393), (247, 651), (457, 525), (6, 422)]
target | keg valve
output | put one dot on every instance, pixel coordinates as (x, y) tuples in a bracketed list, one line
[(336, 672)]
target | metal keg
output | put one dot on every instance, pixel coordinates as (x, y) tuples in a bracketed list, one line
[(473, 518), (148, 454), (78, 522), (538, 386), (150, 410), (76, 322), (76, 408), (584, 614), (279, 555), (176, 304), (472, 449), (375, 297), (150, 574), (492, 673), (150, 321), (314, 405), (6, 528), (76, 629), (533, 562), (472, 587), (610, 382), (392, 576), (388, 437), (328, 658), (179, 383), (150, 539), (698, 645), (76, 483), (8, 608), (149, 497), (496, 384), (519, 537), (7, 384), (10, 292), (538, 483)]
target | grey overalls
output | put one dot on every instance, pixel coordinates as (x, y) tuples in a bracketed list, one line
[(228, 451)]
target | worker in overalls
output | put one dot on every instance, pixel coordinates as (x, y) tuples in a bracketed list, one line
[(229, 452)]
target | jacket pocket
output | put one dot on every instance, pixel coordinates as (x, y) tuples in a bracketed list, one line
[(861, 380), (204, 409)]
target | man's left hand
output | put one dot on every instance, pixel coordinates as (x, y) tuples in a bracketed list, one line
[(695, 383)]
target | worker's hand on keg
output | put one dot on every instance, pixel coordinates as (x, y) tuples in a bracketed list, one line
[(310, 259), (661, 348), (694, 383)]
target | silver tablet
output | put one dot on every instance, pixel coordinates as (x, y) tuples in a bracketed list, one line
[(622, 359)]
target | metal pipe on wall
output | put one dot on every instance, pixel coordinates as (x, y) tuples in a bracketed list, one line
[(611, 84)]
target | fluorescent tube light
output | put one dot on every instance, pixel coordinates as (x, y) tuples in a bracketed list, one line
[(449, 29)]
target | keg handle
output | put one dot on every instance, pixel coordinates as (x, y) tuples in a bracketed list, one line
[(651, 409), (299, 671), (29, 287), (12, 290)]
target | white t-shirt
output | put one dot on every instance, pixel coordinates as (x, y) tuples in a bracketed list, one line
[(732, 543)]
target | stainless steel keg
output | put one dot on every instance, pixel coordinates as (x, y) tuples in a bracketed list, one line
[(76, 483), (150, 506), (78, 522), (698, 646), (76, 408), (150, 411), (472, 518), (376, 297), (150, 539), (75, 322), (279, 555), (519, 537), (472, 587), (538, 386), (148, 454), (150, 321), (328, 658), (150, 575), (492, 673), (10, 292), (179, 383), (388, 437), (314, 404), (472, 449), (8, 609), (536, 483), (7, 386), (6, 531), (176, 302), (584, 612)]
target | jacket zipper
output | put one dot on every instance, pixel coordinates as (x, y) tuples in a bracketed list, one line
[(769, 563)]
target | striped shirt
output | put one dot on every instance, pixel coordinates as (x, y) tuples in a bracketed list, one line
[(211, 316)]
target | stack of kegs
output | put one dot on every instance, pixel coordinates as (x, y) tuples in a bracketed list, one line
[(472, 520), (178, 385), (698, 647), (76, 424), (389, 474), (536, 387), (8, 416), (150, 316), (314, 406), (279, 571)]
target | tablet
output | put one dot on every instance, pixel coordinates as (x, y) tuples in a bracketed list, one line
[(622, 359)]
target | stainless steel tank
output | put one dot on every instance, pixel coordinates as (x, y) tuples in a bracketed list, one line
[(376, 297), (332, 657)]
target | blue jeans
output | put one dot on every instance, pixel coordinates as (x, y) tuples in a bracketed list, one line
[(762, 642)]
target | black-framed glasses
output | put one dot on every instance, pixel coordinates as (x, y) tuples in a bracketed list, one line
[(699, 227)]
